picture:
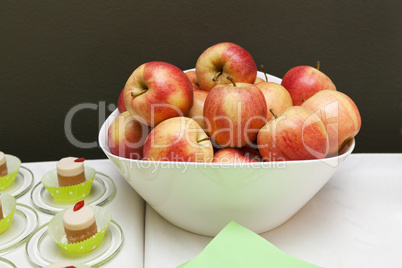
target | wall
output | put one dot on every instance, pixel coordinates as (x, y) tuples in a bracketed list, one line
[(58, 54)]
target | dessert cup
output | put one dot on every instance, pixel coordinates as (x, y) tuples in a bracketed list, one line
[(13, 165), (8, 204), (68, 193), (57, 233)]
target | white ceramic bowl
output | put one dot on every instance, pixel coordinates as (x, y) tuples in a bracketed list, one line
[(204, 197)]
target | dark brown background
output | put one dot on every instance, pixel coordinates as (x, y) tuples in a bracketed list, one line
[(55, 55)]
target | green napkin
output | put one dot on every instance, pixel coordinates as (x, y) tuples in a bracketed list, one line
[(236, 246)]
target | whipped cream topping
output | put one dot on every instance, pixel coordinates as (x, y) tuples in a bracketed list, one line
[(80, 219), (67, 167), (2, 158)]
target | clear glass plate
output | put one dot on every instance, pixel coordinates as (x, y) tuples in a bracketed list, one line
[(4, 263), (102, 192), (23, 182), (42, 250), (24, 222)]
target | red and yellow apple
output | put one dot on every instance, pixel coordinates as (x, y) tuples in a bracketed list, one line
[(258, 80), (277, 98), (339, 114), (232, 155), (197, 111), (178, 139), (156, 91), (193, 79), (302, 82), (120, 102), (222, 60), (126, 136), (252, 153), (297, 134), (234, 114)]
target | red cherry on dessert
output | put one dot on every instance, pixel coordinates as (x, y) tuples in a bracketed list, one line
[(79, 160), (79, 205)]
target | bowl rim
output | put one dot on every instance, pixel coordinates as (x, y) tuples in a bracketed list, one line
[(104, 140)]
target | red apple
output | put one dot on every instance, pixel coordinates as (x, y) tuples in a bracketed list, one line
[(251, 153), (120, 102), (178, 139), (126, 136), (302, 82), (258, 80), (231, 155), (197, 111), (193, 79), (157, 91), (234, 114), (339, 114), (277, 98), (222, 60), (192, 76), (297, 134)]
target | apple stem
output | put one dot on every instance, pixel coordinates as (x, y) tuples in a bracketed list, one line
[(318, 65), (205, 139), (265, 73), (231, 80), (216, 76), (272, 112), (136, 94)]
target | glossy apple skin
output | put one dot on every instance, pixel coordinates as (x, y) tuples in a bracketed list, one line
[(178, 139), (161, 91), (234, 114), (230, 59), (120, 102), (197, 111), (277, 98), (192, 76), (339, 114), (126, 136), (297, 134), (302, 82), (231, 155), (193, 79), (258, 80)]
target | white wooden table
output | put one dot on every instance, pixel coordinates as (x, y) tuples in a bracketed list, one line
[(354, 221)]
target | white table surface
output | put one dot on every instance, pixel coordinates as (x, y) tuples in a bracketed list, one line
[(127, 210), (354, 221)]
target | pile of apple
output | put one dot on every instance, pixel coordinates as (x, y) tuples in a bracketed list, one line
[(222, 112)]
